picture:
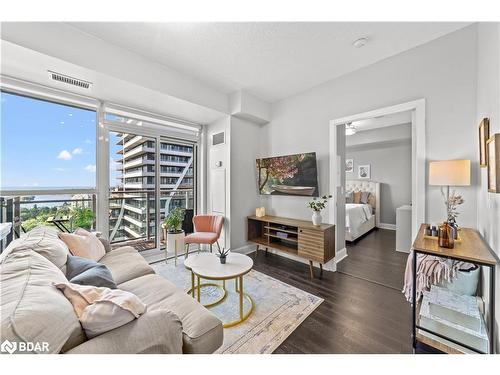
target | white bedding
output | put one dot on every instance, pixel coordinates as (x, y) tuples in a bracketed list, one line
[(356, 214)]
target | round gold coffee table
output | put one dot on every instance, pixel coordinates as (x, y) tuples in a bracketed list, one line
[(208, 267)]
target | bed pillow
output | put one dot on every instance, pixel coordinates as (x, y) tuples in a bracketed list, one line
[(84, 244), (102, 309), (356, 197), (84, 271), (365, 195), (348, 197)]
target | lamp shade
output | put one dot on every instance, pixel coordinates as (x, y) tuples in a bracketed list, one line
[(449, 173)]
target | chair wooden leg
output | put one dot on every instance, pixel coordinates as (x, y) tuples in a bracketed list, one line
[(210, 247), (187, 250), (218, 246), (311, 269)]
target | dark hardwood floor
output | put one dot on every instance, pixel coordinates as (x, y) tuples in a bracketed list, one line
[(374, 258), (364, 310)]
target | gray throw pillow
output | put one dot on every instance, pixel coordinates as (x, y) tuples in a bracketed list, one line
[(364, 197), (348, 197), (85, 271)]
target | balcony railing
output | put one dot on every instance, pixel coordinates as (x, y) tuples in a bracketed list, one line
[(132, 215)]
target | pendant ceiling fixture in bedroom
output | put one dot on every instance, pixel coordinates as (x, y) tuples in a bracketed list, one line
[(350, 129)]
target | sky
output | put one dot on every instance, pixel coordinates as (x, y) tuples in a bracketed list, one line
[(45, 144)]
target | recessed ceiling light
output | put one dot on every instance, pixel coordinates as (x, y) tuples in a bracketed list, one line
[(358, 43)]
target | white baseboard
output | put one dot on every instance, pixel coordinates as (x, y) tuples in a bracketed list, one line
[(340, 255), (245, 249), (387, 226)]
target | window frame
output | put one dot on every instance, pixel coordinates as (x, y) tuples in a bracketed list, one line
[(158, 126)]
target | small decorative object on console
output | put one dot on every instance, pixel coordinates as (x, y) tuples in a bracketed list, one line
[(445, 236), (317, 205), (260, 211)]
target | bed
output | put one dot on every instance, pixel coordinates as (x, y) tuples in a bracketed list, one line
[(362, 217)]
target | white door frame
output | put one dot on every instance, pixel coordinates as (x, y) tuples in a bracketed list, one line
[(337, 162)]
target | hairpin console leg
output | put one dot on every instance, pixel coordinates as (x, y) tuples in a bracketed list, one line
[(414, 302), (311, 271)]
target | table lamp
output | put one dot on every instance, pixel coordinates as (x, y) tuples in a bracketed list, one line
[(448, 173)]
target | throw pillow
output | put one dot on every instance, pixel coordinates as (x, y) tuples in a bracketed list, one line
[(102, 309), (356, 198), (44, 241), (364, 197), (85, 271), (83, 244), (348, 197)]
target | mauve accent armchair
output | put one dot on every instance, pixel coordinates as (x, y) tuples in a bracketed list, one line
[(207, 230)]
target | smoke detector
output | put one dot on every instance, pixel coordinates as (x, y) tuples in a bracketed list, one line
[(63, 78), (361, 42)]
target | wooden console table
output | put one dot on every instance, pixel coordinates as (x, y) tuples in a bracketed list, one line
[(298, 237), (472, 249)]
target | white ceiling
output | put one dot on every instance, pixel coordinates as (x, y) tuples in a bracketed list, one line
[(270, 60)]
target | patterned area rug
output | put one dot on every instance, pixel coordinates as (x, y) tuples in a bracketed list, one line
[(279, 308)]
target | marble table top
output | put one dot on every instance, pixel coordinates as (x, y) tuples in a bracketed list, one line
[(208, 266)]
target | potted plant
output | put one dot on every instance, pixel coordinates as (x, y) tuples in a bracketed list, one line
[(317, 205), (173, 221), (222, 254)]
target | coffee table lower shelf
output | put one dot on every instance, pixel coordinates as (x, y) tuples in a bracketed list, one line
[(195, 291)]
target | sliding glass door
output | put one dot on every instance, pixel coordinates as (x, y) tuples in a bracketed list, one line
[(149, 175), (132, 190)]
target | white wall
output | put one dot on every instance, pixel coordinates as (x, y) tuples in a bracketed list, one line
[(442, 71), (488, 105), (219, 177), (246, 146)]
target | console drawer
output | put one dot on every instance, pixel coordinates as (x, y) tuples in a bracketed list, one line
[(311, 244)]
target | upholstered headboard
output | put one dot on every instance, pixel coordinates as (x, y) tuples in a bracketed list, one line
[(370, 186)]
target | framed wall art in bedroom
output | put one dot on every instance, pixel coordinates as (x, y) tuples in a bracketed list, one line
[(364, 171)]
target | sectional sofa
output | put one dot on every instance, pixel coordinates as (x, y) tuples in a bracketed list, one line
[(33, 310)]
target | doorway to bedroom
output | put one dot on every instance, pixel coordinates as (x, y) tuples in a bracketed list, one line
[(378, 197), (379, 186)]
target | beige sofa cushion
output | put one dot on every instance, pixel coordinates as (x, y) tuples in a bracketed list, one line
[(155, 332), (83, 244), (101, 309), (202, 331), (125, 264), (31, 308), (44, 241)]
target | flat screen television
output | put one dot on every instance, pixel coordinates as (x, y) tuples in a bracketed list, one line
[(288, 175)]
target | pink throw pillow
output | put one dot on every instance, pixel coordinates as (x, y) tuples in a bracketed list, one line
[(84, 244)]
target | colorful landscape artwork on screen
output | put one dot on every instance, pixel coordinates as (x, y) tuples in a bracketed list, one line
[(288, 175)]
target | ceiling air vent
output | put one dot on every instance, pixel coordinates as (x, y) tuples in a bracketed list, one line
[(69, 80)]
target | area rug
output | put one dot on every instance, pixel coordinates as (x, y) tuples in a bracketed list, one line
[(279, 309)]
